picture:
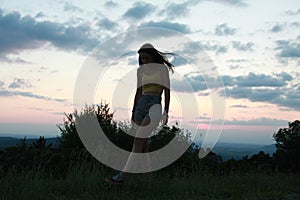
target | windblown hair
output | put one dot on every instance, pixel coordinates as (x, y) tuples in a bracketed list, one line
[(159, 57)]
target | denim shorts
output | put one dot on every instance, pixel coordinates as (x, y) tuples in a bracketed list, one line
[(148, 107)]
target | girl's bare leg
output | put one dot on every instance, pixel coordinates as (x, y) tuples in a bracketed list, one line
[(140, 145)]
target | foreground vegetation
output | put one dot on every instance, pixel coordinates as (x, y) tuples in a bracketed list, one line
[(40, 171), (83, 182)]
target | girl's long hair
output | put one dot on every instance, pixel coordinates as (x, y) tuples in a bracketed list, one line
[(159, 57)]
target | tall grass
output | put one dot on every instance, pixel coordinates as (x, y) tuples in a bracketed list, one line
[(87, 182)]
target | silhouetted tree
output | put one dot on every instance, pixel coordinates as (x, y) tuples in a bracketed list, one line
[(34, 156), (70, 142), (22, 146), (287, 140), (261, 161), (40, 143), (69, 139)]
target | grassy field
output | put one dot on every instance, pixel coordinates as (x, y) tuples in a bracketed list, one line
[(84, 183)]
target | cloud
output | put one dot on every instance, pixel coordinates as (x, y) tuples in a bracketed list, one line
[(234, 67), (296, 24), (133, 38), (224, 30), (290, 52), (9, 59), (221, 49), (177, 10), (139, 10), (257, 122), (189, 84), (257, 80), (261, 80), (174, 10), (289, 98), (254, 95), (237, 60), (39, 15), (110, 4), (288, 48), (196, 83), (263, 121), (20, 83), (213, 46), (1, 84), (108, 24), (277, 28), (291, 12), (228, 80), (282, 97), (72, 8), (264, 95), (278, 88), (236, 63), (168, 25), (203, 94), (204, 117), (240, 86), (21, 33), (242, 47), (284, 76), (7, 93), (239, 106), (193, 51), (240, 3)]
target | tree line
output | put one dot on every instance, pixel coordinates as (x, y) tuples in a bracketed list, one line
[(70, 150)]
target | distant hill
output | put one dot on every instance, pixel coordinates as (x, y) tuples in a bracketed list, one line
[(225, 150), (11, 141), (238, 151)]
